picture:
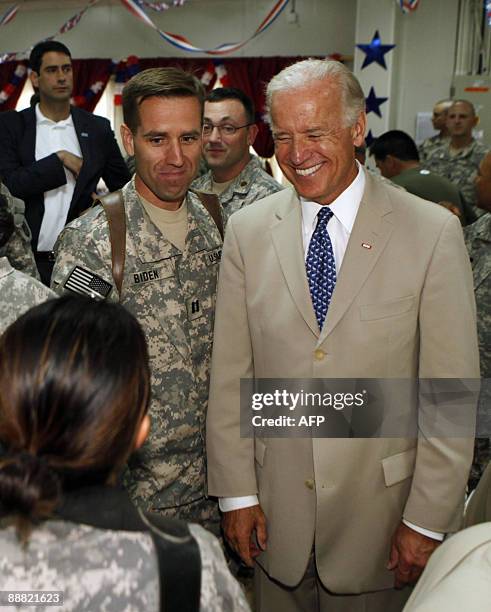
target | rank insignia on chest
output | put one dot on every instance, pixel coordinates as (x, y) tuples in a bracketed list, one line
[(213, 257), (193, 306), (84, 282)]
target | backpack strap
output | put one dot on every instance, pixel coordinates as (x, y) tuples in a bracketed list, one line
[(177, 551), (212, 204), (113, 205)]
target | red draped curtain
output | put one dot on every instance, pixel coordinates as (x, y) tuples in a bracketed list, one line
[(90, 77), (10, 84), (252, 74)]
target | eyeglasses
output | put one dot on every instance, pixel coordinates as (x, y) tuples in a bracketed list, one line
[(223, 130)]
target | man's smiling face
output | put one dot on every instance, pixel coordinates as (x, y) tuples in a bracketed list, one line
[(313, 145)]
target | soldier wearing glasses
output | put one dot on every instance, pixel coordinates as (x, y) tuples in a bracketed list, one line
[(229, 130)]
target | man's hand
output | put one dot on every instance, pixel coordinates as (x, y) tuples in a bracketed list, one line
[(71, 162), (239, 527), (409, 554)]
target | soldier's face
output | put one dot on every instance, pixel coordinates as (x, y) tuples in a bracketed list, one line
[(225, 151), (461, 119), (167, 149), (439, 118), (314, 148)]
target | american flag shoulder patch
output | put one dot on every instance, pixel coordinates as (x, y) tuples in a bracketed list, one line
[(84, 282)]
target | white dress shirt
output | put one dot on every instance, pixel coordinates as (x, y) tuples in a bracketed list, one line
[(51, 137), (345, 208)]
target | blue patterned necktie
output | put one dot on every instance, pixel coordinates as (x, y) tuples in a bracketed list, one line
[(321, 266)]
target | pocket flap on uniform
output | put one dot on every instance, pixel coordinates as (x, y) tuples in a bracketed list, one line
[(399, 467), (259, 451), (386, 309)]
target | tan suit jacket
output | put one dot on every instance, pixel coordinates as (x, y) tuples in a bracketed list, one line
[(403, 308), (458, 575)]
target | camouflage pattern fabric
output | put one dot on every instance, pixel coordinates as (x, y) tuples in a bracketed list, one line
[(172, 294), (252, 184), (18, 293), (461, 169), (18, 248), (478, 241), (100, 569), (427, 148)]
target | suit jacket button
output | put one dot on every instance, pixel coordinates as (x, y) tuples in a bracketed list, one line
[(319, 354), (310, 484)]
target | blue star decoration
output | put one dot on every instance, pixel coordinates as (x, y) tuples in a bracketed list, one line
[(373, 103), (375, 51), (369, 138)]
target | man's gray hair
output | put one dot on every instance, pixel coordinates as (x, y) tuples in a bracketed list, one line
[(310, 71)]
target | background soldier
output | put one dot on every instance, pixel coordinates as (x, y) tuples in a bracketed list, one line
[(172, 252), (18, 291), (458, 157), (229, 130)]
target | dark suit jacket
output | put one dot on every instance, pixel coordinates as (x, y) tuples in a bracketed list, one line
[(28, 179)]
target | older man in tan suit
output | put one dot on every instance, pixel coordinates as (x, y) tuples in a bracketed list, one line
[(333, 523)]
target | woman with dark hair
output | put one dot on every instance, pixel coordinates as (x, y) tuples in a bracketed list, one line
[(74, 393)]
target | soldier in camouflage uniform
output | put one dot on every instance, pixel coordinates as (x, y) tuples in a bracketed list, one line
[(107, 570), (18, 249), (18, 291), (229, 130), (439, 120), (478, 241), (170, 289), (458, 158), (69, 530)]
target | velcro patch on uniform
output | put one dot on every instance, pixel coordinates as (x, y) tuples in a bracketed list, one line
[(147, 275), (213, 257), (84, 282)]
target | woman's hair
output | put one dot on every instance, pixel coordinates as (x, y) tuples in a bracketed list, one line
[(74, 387)]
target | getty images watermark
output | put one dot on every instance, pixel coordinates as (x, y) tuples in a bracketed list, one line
[(365, 408)]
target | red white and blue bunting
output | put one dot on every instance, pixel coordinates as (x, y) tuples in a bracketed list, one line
[(408, 6), (136, 8), (9, 15), (16, 79), (66, 27)]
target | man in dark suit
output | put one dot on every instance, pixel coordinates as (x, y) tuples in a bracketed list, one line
[(53, 155)]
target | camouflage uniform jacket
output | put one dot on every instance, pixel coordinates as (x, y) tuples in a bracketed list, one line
[(252, 184), (461, 169), (18, 293), (172, 294), (478, 241), (18, 248), (427, 147), (108, 569)]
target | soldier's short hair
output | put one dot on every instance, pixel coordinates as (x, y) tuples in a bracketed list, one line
[(396, 143), (36, 56), (74, 387), (309, 71), (158, 82), (233, 93)]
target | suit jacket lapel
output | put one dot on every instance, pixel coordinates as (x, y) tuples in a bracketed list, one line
[(287, 241), (29, 136), (82, 130), (371, 231)]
